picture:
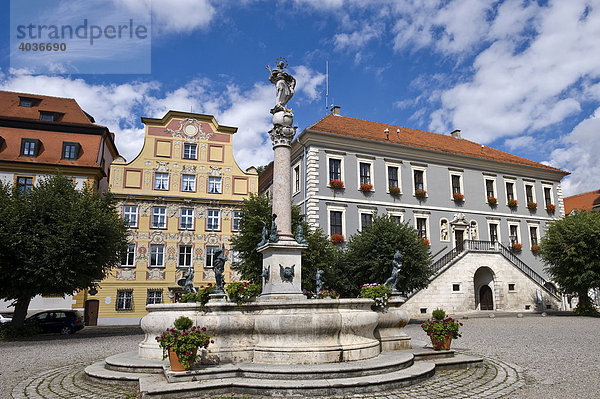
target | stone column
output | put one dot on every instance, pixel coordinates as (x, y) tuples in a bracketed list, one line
[(282, 190)]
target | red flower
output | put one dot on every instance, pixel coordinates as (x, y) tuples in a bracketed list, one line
[(203, 328)]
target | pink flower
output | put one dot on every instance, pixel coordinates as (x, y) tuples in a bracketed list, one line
[(207, 342), (203, 328), (212, 342)]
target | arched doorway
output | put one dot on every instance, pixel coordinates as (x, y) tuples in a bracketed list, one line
[(483, 282), (486, 299)]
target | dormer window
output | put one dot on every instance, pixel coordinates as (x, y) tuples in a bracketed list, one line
[(50, 116), (28, 101), (70, 150), (2, 141), (30, 147)]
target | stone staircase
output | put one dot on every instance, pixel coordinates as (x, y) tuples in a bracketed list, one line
[(389, 370)]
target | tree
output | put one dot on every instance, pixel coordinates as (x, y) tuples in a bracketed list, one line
[(571, 251), (257, 209), (55, 239), (370, 253)]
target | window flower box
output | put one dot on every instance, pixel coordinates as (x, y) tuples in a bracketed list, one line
[(550, 208), (366, 187), (535, 249), (458, 197), (492, 201), (425, 242), (512, 203), (336, 184), (420, 193), (394, 191), (532, 206), (516, 247), (337, 238)]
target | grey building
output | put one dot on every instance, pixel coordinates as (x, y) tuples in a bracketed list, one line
[(468, 200)]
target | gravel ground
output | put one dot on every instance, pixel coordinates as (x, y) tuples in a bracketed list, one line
[(560, 354), (25, 358)]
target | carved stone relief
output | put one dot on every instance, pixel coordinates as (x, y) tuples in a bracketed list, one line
[(125, 274), (155, 274)]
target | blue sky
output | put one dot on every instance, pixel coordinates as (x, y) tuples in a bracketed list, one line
[(520, 76)]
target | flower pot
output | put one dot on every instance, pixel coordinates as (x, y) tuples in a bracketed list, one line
[(175, 363), (443, 345)]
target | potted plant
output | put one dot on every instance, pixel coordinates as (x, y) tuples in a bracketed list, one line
[(458, 197), (550, 208), (337, 238), (379, 293), (181, 343), (420, 194), (532, 206), (441, 330), (516, 247), (512, 203), (424, 242), (394, 191), (366, 187), (336, 184), (242, 291), (201, 297), (536, 248), (492, 201)]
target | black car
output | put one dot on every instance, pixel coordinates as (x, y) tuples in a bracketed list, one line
[(61, 321)]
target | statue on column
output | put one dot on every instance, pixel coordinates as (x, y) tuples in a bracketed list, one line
[(284, 83)]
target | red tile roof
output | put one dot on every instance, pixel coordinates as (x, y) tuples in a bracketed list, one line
[(583, 202), (9, 106), (360, 128)]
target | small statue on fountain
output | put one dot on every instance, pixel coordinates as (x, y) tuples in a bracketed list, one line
[(219, 267), (188, 285), (265, 235), (274, 237), (300, 232), (392, 282), (319, 281)]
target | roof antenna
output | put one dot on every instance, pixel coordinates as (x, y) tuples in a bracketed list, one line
[(327, 86), (191, 109)]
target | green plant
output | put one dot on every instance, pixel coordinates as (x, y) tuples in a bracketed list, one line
[(202, 296), (442, 329), (242, 291), (337, 238), (28, 329), (516, 247), (438, 314), (328, 294), (536, 248), (512, 203), (458, 197), (366, 187), (492, 201), (420, 193), (394, 191), (550, 208), (532, 206), (184, 341), (336, 184), (379, 293)]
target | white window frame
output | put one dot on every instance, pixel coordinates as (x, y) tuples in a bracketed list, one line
[(213, 187), (151, 296), (190, 254), (427, 229), (124, 298), (460, 182), (211, 216), (158, 253), (184, 183), (237, 215), (519, 240), (130, 212), (514, 183), (460, 288), (532, 185), (387, 177), (537, 228), (412, 179), (296, 182), (159, 186), (127, 253), (341, 159), (162, 216), (449, 238), (189, 215), (338, 209), (551, 187), (493, 179), (371, 175), (210, 255), (397, 214), (364, 212), (497, 224), (195, 146)]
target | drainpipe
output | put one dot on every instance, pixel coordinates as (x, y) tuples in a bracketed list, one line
[(305, 164)]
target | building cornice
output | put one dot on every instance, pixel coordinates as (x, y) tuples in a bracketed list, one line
[(179, 114)]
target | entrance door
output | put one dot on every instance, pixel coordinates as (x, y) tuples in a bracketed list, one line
[(91, 312), (486, 300), (459, 239)]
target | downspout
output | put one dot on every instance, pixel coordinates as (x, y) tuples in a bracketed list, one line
[(305, 164)]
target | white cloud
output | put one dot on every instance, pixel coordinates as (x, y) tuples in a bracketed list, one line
[(357, 39), (520, 143), (119, 107), (579, 155)]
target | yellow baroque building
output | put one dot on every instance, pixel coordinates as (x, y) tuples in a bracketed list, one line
[(181, 198)]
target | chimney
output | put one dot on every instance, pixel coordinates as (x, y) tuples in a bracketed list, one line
[(387, 133), (455, 133), (335, 110)]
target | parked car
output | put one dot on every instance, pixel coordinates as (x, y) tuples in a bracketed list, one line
[(5, 317), (61, 321)]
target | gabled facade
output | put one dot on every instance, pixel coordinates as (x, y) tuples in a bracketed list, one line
[(40, 135), (443, 185), (589, 201), (181, 199)]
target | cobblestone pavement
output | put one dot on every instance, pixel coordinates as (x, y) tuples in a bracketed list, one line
[(491, 380)]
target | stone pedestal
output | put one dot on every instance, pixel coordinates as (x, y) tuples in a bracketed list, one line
[(282, 262), (217, 297)]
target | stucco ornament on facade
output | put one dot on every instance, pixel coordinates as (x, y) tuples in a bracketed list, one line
[(161, 166), (190, 129)]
